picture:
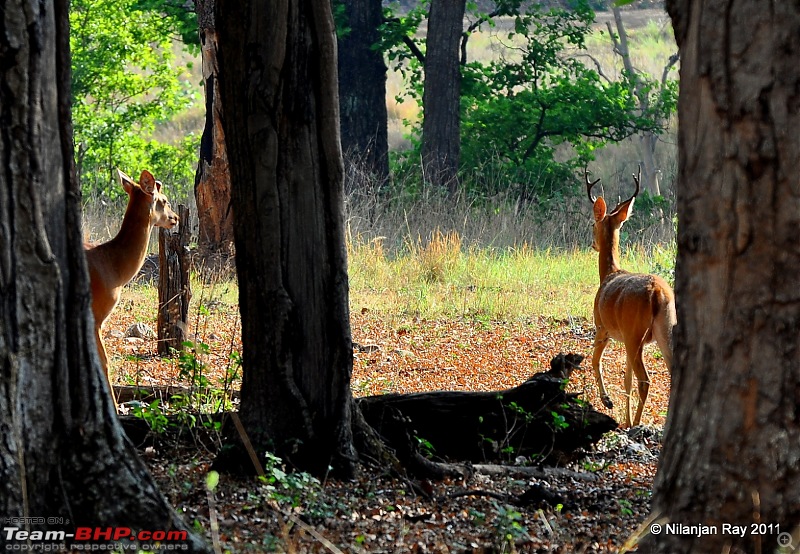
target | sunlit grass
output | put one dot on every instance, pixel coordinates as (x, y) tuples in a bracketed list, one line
[(439, 279)]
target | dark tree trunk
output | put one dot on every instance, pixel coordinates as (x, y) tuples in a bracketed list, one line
[(732, 439), (62, 453), (277, 77), (441, 126), (362, 89), (212, 184)]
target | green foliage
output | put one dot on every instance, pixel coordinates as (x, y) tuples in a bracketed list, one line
[(177, 16), (124, 83), (518, 111), (537, 113), (153, 415)]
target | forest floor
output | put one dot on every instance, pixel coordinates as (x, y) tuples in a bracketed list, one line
[(592, 505)]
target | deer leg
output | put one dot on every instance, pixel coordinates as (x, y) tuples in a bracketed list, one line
[(601, 339), (663, 338), (637, 364), (101, 352), (628, 389)]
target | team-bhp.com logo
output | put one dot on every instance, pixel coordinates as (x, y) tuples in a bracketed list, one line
[(89, 535)]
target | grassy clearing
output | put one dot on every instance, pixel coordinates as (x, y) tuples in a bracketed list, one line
[(439, 279)]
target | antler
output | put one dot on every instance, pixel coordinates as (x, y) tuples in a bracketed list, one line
[(636, 180), (589, 184)]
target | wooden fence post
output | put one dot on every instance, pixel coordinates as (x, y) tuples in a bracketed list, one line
[(174, 290)]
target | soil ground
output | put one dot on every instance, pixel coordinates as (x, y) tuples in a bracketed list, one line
[(593, 505)]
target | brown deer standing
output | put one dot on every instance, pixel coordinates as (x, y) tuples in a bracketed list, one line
[(633, 308), (114, 263)]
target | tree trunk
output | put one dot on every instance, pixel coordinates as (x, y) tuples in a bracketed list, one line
[(441, 126), (174, 287), (277, 77), (212, 184), (62, 453), (732, 439), (362, 89)]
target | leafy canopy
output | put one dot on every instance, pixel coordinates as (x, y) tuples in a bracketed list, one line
[(124, 82)]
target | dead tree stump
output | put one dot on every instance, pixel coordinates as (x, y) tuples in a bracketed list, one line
[(174, 290)]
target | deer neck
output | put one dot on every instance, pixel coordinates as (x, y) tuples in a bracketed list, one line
[(609, 255), (127, 250)]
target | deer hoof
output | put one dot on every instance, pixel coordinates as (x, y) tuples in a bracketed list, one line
[(607, 402)]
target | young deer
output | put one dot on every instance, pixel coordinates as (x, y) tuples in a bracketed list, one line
[(114, 263), (634, 308)]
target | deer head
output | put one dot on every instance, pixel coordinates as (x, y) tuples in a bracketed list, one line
[(607, 224), (147, 193)]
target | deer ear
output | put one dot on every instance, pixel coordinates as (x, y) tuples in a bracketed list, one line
[(126, 182), (599, 209), (158, 186), (147, 182), (623, 211)]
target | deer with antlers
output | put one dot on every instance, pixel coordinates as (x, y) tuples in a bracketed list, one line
[(114, 263), (633, 308)]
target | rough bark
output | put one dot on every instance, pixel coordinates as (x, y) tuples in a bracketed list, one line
[(732, 439), (212, 185), (441, 98), (278, 84), (174, 287), (362, 89), (62, 451)]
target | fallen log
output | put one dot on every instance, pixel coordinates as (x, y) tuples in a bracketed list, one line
[(538, 420)]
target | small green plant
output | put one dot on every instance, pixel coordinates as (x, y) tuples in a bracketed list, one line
[(559, 421), (425, 446), (625, 507), (508, 524), (595, 467), (298, 491), (153, 415)]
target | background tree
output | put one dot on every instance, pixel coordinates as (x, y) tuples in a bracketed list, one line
[(62, 453), (442, 92), (277, 77), (732, 438), (362, 86), (644, 88)]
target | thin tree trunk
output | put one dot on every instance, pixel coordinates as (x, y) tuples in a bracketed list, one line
[(63, 453), (733, 434), (277, 76), (441, 125)]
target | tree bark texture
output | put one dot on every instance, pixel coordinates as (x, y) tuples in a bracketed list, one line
[(277, 76), (212, 186), (174, 287), (441, 98), (362, 89), (62, 451), (732, 441)]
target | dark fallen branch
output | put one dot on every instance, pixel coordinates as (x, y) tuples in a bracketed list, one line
[(537, 419)]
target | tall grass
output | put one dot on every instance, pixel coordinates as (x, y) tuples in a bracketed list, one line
[(437, 277)]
